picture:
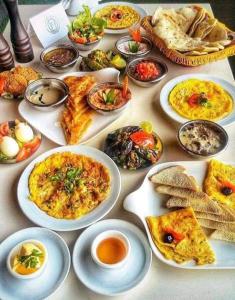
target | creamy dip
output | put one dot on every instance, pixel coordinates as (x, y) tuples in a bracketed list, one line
[(201, 139), (124, 48), (46, 95)]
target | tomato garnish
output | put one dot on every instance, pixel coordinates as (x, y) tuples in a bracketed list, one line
[(116, 15), (144, 139), (176, 235), (33, 145), (23, 154), (135, 34), (228, 184), (4, 129), (125, 87), (193, 100), (81, 40)]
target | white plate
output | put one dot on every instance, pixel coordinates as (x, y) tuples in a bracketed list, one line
[(139, 10), (112, 282), (49, 281), (147, 202), (39, 217), (48, 122), (164, 96)]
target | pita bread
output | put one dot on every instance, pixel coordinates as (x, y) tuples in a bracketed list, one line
[(199, 18), (204, 27), (218, 33), (223, 235), (217, 225)]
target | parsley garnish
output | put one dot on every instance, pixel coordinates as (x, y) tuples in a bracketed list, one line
[(30, 261)]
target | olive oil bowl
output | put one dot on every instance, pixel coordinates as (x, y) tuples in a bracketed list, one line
[(24, 265)]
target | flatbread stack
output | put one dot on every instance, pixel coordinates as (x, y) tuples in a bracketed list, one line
[(190, 30), (184, 192)]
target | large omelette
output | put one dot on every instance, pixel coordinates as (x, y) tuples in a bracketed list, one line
[(215, 104), (190, 242), (67, 185)]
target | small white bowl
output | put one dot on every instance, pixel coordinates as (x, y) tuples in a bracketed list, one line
[(16, 249), (108, 234)]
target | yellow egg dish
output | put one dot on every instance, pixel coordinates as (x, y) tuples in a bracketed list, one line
[(220, 182), (118, 16), (67, 185), (200, 99), (179, 237)]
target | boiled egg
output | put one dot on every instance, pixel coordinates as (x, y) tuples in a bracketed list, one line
[(9, 146), (23, 132)]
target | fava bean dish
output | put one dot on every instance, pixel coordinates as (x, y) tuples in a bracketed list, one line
[(132, 147)]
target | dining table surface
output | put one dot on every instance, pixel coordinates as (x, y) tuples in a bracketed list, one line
[(162, 282)]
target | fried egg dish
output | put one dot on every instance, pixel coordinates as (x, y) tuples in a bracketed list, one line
[(200, 99), (68, 186), (220, 182), (179, 237)]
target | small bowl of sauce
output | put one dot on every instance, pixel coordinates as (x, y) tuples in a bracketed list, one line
[(110, 249), (46, 94)]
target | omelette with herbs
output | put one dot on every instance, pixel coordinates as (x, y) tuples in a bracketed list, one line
[(68, 186), (200, 99)]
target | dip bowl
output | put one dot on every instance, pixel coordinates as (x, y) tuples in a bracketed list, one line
[(146, 83), (59, 67), (107, 109), (218, 131), (47, 83)]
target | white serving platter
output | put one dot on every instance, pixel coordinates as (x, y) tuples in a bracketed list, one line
[(136, 7), (165, 92), (39, 217), (145, 201), (48, 123)]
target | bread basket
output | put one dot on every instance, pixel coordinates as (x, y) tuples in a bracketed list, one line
[(181, 59)]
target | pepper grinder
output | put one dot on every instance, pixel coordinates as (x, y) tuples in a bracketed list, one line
[(6, 58), (19, 37)]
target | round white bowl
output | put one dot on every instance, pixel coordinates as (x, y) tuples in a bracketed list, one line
[(16, 249), (108, 234)]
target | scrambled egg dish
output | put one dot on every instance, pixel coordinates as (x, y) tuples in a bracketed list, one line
[(220, 182), (68, 186), (200, 99), (118, 16), (179, 237)]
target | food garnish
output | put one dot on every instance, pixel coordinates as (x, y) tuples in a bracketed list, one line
[(147, 126), (125, 87), (86, 28), (68, 186), (143, 139), (199, 99)]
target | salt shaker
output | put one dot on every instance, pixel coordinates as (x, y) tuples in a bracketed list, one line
[(20, 40), (6, 58)]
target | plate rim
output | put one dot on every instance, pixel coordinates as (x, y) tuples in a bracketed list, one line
[(136, 231), (64, 149), (165, 91), (66, 252), (154, 248)]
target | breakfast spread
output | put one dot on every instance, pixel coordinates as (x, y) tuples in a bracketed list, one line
[(68, 186), (201, 99)]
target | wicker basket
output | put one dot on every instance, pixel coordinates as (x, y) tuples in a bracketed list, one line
[(181, 59)]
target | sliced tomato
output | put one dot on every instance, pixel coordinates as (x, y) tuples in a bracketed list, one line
[(2, 84), (125, 87), (4, 128), (135, 34), (176, 235), (144, 139), (193, 100), (34, 144), (23, 154), (81, 40)]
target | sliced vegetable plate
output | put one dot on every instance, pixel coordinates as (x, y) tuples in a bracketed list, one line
[(39, 217), (145, 201), (50, 126), (166, 90), (18, 141), (136, 7)]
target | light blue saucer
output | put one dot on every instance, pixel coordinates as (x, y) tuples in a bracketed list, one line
[(48, 282), (112, 282)]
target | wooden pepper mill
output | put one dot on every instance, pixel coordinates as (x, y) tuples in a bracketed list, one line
[(6, 58), (19, 37)]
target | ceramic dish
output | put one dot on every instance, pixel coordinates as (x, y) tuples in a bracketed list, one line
[(25, 149), (165, 92), (112, 282), (136, 7), (50, 126), (154, 206), (40, 218), (49, 281)]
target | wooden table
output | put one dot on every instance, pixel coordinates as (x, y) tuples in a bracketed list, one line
[(162, 282)]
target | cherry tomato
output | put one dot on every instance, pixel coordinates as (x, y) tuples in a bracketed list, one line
[(33, 145), (143, 139), (176, 235), (193, 100), (4, 128), (81, 40), (23, 154)]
